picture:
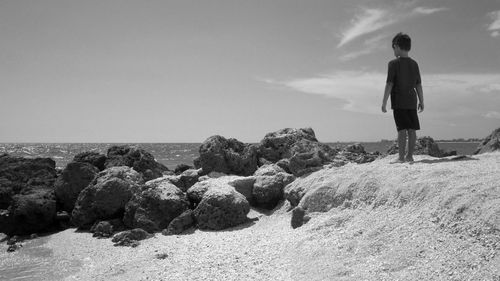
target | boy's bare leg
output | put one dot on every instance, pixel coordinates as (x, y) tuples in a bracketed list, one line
[(412, 140), (402, 144)]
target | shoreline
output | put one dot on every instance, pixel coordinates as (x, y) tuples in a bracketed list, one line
[(421, 239)]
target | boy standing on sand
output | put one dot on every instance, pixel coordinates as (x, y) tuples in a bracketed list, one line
[(404, 85)]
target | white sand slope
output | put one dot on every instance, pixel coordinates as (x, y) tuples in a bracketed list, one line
[(433, 220)]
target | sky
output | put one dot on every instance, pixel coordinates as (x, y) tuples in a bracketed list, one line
[(181, 71)]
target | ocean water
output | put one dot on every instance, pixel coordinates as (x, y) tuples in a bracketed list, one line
[(171, 154)]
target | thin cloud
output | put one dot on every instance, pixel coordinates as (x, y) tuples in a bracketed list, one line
[(371, 20), (370, 45), (428, 11), (494, 27), (448, 95), (492, 115)]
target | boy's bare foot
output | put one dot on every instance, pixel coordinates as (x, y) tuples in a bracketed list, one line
[(397, 161), (409, 159)]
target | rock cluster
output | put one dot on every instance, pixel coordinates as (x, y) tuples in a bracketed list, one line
[(296, 150), (490, 143), (127, 188)]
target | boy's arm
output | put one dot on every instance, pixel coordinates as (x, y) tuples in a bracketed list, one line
[(387, 93), (420, 95)]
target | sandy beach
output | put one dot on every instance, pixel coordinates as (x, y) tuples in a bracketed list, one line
[(440, 220)]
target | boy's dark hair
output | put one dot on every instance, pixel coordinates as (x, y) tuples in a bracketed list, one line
[(402, 40)]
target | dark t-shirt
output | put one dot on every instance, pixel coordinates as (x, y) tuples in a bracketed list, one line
[(405, 76)]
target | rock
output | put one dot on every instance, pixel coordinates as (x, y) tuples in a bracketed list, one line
[(22, 175), (13, 248), (130, 237), (3, 237), (309, 156), (355, 148), (105, 198), (186, 179), (181, 168), (296, 151), (278, 145), (297, 217), (102, 229), (244, 185), (196, 192), (221, 208), (161, 256), (181, 223), (33, 236), (425, 146), (126, 242), (294, 191), (13, 240), (136, 158), (29, 213), (228, 156), (93, 158), (215, 175), (73, 179), (268, 189), (285, 165), (490, 143), (269, 170), (156, 206), (366, 158)]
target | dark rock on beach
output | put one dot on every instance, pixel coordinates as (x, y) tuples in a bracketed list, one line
[(180, 224), (136, 158), (295, 150), (91, 157), (309, 156), (228, 156), (106, 197), (244, 185), (22, 175), (355, 153), (220, 208), (29, 213), (490, 143), (156, 206), (181, 168), (102, 229), (130, 238), (298, 215), (73, 179), (278, 145), (270, 181), (27, 201), (186, 179), (3, 237)]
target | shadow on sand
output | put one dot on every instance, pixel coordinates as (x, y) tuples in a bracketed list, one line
[(442, 160)]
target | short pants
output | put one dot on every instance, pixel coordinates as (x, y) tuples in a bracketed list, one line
[(406, 119)]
